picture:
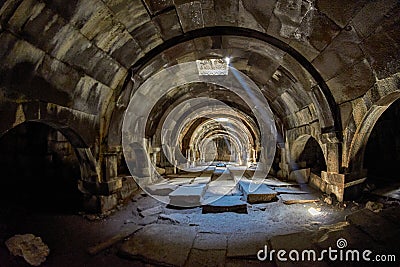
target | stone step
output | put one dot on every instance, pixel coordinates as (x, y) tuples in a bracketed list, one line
[(256, 193), (188, 195), (226, 204)]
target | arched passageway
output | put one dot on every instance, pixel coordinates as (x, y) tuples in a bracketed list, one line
[(40, 170), (307, 153), (382, 152)]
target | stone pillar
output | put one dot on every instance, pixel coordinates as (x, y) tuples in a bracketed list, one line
[(332, 157), (333, 183)]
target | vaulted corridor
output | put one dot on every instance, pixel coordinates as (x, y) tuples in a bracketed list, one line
[(169, 132)]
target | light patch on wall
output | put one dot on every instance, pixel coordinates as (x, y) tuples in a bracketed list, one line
[(214, 66)]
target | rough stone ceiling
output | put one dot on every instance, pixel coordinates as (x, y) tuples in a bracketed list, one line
[(81, 54)]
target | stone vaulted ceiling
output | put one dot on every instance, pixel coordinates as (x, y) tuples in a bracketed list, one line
[(322, 65)]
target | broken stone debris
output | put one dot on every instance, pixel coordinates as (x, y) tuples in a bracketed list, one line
[(30, 247), (374, 206), (151, 211)]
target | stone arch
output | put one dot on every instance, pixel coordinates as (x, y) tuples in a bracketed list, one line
[(321, 94), (302, 157), (359, 143), (39, 113), (42, 164)]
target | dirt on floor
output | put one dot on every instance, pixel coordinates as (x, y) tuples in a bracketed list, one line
[(69, 236)]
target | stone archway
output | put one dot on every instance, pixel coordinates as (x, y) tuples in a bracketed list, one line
[(363, 132), (381, 158), (306, 152), (40, 169)]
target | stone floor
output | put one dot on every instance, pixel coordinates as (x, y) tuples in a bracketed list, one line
[(146, 232)]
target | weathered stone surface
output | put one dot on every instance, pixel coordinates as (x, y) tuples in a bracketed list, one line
[(180, 181), (30, 247), (300, 176), (292, 198), (190, 15), (226, 204), (210, 241), (380, 51), (187, 195), (131, 13), (126, 51), (323, 30), (227, 12), (352, 83), (273, 182), (256, 193), (246, 19), (147, 36), (107, 203), (342, 52), (288, 190), (297, 241), (339, 13), (260, 10), (372, 224), (168, 23), (207, 258), (151, 211), (172, 244), (201, 180), (371, 15), (158, 6), (355, 238), (245, 245), (162, 189)]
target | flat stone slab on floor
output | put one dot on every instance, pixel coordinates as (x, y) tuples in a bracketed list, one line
[(222, 187), (210, 241), (160, 244), (243, 245), (288, 190), (277, 183), (161, 189), (187, 195), (296, 241), (201, 180), (376, 226), (180, 181), (256, 193), (226, 204), (206, 258), (292, 197)]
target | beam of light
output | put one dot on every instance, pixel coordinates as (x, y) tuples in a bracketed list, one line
[(314, 211), (227, 60), (222, 119)]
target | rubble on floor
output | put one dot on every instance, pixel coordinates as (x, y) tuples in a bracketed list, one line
[(30, 247)]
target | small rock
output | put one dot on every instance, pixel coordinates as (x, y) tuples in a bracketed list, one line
[(374, 206), (328, 200), (30, 247)]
